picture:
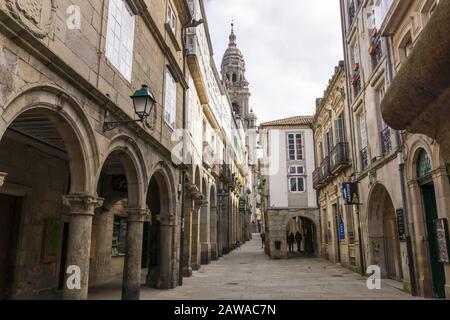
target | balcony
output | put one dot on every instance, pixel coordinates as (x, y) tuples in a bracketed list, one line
[(316, 179), (386, 141), (364, 154), (325, 170), (340, 157)]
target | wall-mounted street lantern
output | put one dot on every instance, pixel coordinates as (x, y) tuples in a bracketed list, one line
[(143, 102)]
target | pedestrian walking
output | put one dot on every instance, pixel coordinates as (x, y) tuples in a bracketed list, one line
[(299, 239), (263, 239), (238, 244), (291, 240)]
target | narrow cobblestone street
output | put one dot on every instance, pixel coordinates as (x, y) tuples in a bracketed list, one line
[(250, 275)]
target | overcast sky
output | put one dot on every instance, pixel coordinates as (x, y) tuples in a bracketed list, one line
[(290, 47)]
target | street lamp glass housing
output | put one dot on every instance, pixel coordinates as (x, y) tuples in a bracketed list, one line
[(143, 101)]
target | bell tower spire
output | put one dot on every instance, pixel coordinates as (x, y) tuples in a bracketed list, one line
[(233, 75)]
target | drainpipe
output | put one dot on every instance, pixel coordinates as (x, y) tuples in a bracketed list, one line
[(352, 132)]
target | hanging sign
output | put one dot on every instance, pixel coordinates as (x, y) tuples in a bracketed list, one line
[(341, 230), (401, 225), (350, 193)]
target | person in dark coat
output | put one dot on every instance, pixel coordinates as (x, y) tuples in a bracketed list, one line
[(291, 240), (299, 239), (263, 239)]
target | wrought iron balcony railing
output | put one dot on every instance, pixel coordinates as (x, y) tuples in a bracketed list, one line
[(364, 154), (386, 141), (325, 170), (316, 179), (340, 157)]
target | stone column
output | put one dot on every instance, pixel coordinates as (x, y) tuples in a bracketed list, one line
[(205, 234), (133, 259), (165, 253), (187, 250), (195, 255), (213, 232), (2, 178), (82, 208)]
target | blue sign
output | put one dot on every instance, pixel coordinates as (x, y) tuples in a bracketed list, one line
[(341, 230), (350, 193)]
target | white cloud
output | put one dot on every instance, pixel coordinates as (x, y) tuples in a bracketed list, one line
[(290, 47)]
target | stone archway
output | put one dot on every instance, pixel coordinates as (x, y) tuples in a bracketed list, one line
[(383, 234), (121, 181), (48, 146), (277, 225), (160, 254)]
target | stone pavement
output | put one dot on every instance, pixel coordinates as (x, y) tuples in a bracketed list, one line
[(250, 275)]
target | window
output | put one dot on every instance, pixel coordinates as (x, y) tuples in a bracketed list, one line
[(295, 147), (171, 19), (170, 99), (296, 178), (297, 184), (327, 143), (381, 10), (362, 131), (119, 237), (405, 48), (339, 127), (296, 170), (120, 37)]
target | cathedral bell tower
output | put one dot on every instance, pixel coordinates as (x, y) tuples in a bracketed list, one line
[(233, 75)]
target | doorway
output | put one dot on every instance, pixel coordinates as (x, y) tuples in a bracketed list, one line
[(383, 234), (431, 214), (8, 228)]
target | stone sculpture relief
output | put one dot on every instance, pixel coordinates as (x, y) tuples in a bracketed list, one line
[(37, 16)]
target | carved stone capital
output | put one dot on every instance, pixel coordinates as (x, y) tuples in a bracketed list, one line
[(2, 178), (82, 204), (137, 214)]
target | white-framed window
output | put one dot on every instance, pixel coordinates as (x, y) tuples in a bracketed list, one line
[(339, 129), (381, 10), (120, 37), (296, 184), (295, 146), (296, 170), (171, 19), (170, 99)]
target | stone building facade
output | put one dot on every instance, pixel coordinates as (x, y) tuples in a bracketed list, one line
[(402, 178), (88, 188), (339, 225), (289, 200)]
